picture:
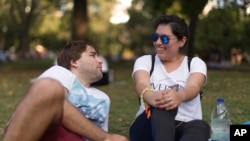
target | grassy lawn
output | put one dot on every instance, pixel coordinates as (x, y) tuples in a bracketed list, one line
[(232, 85)]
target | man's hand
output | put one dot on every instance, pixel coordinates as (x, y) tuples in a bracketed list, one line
[(116, 137)]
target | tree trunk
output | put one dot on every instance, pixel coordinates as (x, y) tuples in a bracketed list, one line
[(192, 28), (23, 40), (79, 20), (26, 18)]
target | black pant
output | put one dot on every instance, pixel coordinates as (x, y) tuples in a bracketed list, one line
[(140, 130), (162, 127), (195, 130)]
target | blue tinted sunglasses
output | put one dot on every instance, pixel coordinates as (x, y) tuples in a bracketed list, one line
[(164, 38)]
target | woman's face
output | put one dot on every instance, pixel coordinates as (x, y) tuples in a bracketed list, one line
[(171, 49)]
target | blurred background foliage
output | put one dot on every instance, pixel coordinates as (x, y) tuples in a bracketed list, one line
[(117, 29)]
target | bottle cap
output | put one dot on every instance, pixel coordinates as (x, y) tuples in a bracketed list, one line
[(220, 100)]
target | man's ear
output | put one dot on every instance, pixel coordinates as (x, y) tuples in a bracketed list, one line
[(73, 63)]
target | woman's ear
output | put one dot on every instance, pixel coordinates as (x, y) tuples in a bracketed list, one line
[(183, 41)]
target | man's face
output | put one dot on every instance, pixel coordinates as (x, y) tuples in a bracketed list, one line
[(90, 65)]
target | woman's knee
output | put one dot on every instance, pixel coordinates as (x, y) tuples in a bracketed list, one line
[(200, 123), (201, 127)]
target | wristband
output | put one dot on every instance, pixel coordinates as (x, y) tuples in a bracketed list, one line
[(147, 108), (143, 92)]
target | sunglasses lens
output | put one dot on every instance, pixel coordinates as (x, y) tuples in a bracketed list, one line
[(155, 37), (164, 39)]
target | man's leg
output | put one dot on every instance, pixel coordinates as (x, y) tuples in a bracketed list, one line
[(41, 107), (196, 130), (163, 124)]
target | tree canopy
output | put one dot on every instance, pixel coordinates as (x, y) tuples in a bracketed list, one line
[(25, 23)]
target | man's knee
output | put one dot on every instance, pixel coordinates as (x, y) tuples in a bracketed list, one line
[(47, 94), (47, 88), (43, 105)]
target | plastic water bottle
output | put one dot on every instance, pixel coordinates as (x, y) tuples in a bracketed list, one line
[(220, 122)]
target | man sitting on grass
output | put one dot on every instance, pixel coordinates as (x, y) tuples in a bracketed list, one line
[(45, 114)]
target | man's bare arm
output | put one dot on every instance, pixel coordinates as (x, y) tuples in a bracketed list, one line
[(76, 122)]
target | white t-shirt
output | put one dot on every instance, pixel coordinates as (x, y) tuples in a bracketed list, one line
[(91, 102), (161, 80)]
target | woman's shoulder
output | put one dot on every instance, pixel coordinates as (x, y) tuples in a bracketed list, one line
[(142, 63), (198, 59), (195, 59), (144, 56), (197, 64)]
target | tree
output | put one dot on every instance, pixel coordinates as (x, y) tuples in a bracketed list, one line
[(193, 15), (151, 9), (220, 27), (79, 19), (108, 38), (4, 18), (23, 13), (140, 25), (227, 27), (23, 26)]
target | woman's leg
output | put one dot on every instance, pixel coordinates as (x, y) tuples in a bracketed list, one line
[(140, 129), (163, 124), (195, 130)]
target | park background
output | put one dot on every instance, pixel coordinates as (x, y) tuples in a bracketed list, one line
[(33, 31)]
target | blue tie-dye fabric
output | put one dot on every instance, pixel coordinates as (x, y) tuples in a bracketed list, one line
[(94, 108)]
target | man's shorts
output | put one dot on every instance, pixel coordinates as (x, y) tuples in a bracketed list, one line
[(58, 133)]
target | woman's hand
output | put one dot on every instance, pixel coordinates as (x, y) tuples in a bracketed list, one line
[(170, 100), (153, 97)]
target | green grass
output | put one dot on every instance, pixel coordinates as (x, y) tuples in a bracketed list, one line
[(232, 85)]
